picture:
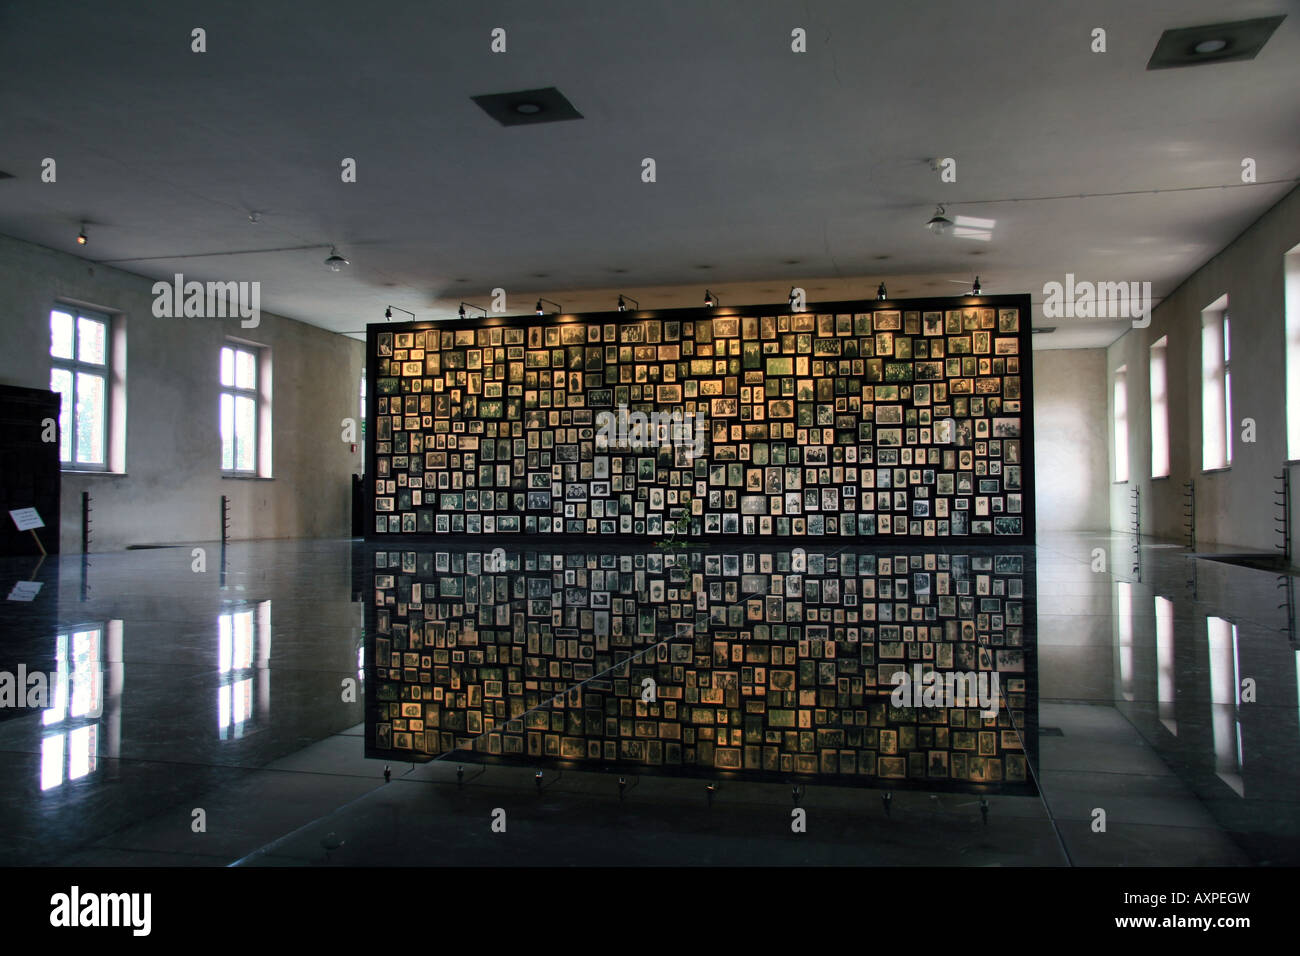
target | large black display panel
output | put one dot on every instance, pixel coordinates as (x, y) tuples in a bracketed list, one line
[(879, 420)]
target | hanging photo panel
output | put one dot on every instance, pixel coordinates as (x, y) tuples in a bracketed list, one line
[(905, 420)]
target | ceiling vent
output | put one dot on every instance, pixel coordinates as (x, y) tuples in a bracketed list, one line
[(527, 107), (1217, 43)]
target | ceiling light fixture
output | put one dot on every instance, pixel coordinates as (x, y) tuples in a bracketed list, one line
[(1212, 43), (939, 224), (388, 313), (472, 306), (882, 294), (81, 236), (541, 311), (623, 308), (335, 262), (710, 300)]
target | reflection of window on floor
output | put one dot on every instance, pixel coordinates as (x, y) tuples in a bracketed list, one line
[(1165, 686), (1124, 635), (70, 745), (1225, 686), (243, 648)]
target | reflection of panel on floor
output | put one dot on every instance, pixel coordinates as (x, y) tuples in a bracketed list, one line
[(772, 664)]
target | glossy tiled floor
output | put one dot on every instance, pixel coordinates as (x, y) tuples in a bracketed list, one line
[(205, 721)]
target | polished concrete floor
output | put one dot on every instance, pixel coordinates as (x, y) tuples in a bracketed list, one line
[(203, 717)]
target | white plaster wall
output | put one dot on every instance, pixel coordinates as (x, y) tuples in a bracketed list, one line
[(172, 486), (1070, 464), (1234, 507)]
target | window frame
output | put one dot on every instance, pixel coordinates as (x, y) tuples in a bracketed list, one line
[(1120, 425), (235, 392), (1158, 375), (75, 367)]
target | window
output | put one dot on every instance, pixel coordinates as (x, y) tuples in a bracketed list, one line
[(1160, 409), (1291, 268), (1121, 423), (1216, 386), (80, 373), (239, 409)]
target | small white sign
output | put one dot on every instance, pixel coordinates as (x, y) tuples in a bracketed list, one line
[(26, 519), (25, 591)]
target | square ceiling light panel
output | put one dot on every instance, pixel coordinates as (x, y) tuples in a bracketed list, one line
[(1216, 43), (526, 107)]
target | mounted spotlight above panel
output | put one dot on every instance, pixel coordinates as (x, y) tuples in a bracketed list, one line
[(526, 107)]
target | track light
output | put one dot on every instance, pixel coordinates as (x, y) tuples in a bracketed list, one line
[(710, 300), (881, 293), (81, 236), (541, 311), (335, 262), (623, 308), (939, 224), (472, 306), (975, 289), (388, 313)]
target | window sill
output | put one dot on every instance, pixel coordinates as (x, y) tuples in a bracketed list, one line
[(1216, 471), (1160, 477), (90, 471), (246, 478), (1120, 481)]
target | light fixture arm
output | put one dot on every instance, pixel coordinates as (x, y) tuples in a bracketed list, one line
[(472, 306), (558, 308), (388, 312)]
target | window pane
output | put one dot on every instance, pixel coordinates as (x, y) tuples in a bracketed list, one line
[(245, 370), (245, 431), (227, 367), (227, 428), (90, 340), (90, 418), (61, 335), (61, 382)]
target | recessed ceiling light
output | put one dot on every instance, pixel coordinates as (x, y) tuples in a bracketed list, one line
[(524, 107), (1214, 43)]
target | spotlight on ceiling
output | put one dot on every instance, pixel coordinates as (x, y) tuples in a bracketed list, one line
[(623, 308), (975, 288), (541, 311), (882, 294), (335, 262), (81, 236), (939, 224), (710, 300)]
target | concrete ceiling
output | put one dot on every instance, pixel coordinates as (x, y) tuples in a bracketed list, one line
[(773, 168)]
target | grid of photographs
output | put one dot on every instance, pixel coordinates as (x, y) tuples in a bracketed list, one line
[(870, 422), (774, 663)]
